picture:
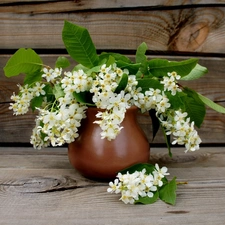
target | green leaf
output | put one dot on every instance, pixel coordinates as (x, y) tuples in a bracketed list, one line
[(146, 200), (49, 93), (139, 167), (62, 62), (95, 69), (155, 123), (197, 72), (147, 83), (144, 71), (140, 53), (168, 192), (167, 139), (194, 106), (211, 104), (116, 56), (58, 91), (23, 61), (122, 83), (139, 75), (79, 45), (84, 97), (176, 100), (110, 61), (132, 68), (33, 78), (160, 67), (81, 67), (36, 102)]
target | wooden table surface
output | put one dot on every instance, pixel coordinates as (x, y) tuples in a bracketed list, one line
[(40, 187)]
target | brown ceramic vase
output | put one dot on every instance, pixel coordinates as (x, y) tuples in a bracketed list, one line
[(100, 159)]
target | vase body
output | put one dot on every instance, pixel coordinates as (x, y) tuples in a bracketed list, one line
[(101, 159)]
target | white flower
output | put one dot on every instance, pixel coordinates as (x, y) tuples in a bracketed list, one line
[(105, 69), (161, 172), (132, 83), (163, 104), (50, 75), (49, 118), (193, 141), (38, 89), (81, 81), (179, 141), (114, 186), (175, 89), (175, 75), (127, 198), (180, 116), (57, 72), (25, 90), (147, 182), (119, 101), (157, 179), (180, 129), (66, 81), (155, 93), (168, 83)]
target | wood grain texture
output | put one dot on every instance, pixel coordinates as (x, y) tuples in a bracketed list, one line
[(43, 6), (40, 187), (186, 29)]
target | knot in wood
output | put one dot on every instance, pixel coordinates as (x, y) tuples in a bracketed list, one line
[(42, 184), (191, 37)]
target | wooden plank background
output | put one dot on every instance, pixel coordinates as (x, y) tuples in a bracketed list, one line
[(172, 29)]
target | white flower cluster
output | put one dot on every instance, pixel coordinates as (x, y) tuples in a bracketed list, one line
[(76, 81), (170, 83), (178, 124), (175, 122), (22, 101), (152, 99), (155, 98), (51, 75), (138, 184), (114, 104), (60, 116), (57, 127), (58, 122)]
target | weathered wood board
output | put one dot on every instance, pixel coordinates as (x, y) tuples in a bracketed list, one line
[(177, 29)]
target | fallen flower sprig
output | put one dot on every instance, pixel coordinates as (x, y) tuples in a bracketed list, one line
[(144, 183)]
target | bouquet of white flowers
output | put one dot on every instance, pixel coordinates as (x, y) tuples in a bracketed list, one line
[(112, 83)]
